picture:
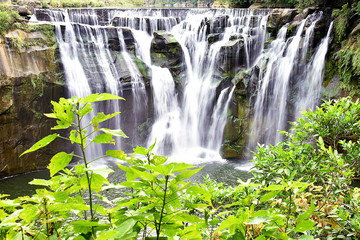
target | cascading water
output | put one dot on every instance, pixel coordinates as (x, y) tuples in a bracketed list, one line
[(185, 105), (286, 63)]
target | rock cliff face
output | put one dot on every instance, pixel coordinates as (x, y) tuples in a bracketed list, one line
[(30, 77)]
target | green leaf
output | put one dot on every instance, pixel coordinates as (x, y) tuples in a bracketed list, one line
[(42, 143), (28, 213), (179, 167), (74, 137), (304, 226), (231, 223), (104, 172), (84, 110), (101, 117), (104, 138), (109, 234), (117, 154), (126, 227), (117, 132), (96, 97), (306, 237), (186, 174), (96, 182), (141, 151), (200, 192), (50, 115), (40, 182), (59, 162), (269, 196), (274, 187)]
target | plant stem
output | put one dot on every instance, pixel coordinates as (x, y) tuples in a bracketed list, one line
[(80, 132), (162, 208)]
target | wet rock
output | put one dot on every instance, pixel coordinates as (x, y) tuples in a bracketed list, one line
[(232, 56), (279, 17), (166, 52), (113, 38), (214, 37), (217, 24)]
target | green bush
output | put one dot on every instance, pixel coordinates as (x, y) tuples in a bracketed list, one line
[(7, 19), (300, 190)]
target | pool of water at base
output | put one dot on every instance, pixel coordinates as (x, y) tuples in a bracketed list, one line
[(227, 171)]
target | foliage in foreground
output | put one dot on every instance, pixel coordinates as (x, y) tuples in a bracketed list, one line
[(300, 191)]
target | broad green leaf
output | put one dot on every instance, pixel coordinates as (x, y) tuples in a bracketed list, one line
[(96, 97), (101, 117), (40, 182), (104, 138), (141, 151), (96, 182), (304, 226), (3, 215), (200, 192), (268, 196), (282, 236), (274, 187), (84, 110), (59, 162), (28, 213), (117, 154), (61, 125), (186, 174), (42, 143), (105, 235), (104, 172), (300, 185), (306, 237), (126, 226), (231, 223), (117, 132), (179, 167), (74, 137), (50, 115)]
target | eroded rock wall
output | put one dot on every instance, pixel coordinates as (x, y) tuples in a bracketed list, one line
[(30, 77)]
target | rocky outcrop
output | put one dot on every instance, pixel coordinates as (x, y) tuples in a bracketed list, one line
[(167, 52), (238, 123), (30, 77), (232, 57), (280, 17)]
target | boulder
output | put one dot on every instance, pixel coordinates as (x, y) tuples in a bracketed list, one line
[(231, 57), (279, 17), (24, 10), (166, 52), (355, 31)]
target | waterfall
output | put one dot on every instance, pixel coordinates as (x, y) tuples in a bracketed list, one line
[(287, 65), (183, 104), (310, 88)]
